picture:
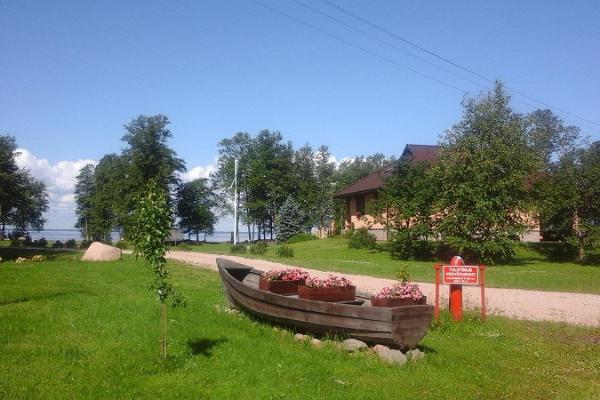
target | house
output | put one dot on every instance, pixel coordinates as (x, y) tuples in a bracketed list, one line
[(359, 194)]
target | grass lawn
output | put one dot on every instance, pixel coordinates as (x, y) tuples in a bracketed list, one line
[(532, 270), (90, 330)]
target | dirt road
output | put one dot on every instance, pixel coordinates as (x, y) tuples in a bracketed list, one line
[(571, 308)]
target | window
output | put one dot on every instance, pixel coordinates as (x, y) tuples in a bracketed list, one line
[(360, 204)]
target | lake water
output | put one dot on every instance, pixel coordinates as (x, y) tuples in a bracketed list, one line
[(66, 234)]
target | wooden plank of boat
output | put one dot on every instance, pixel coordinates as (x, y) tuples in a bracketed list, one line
[(398, 326)]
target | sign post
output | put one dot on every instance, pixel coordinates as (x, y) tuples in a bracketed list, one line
[(456, 275)]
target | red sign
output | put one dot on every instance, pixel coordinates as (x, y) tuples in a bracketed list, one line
[(460, 275)]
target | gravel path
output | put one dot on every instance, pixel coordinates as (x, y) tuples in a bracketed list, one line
[(571, 308)]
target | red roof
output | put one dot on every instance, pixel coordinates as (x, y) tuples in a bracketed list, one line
[(375, 180)]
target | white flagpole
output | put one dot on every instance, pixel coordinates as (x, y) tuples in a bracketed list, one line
[(235, 203)]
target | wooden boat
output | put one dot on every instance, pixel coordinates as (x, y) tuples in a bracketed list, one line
[(400, 327)]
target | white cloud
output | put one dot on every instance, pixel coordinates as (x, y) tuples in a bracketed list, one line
[(198, 172), (60, 180)]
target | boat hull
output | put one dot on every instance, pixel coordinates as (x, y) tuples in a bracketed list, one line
[(401, 327)]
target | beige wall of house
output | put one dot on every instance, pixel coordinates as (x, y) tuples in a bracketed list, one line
[(357, 218)]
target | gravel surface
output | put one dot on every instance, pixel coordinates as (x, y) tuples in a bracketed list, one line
[(571, 308)]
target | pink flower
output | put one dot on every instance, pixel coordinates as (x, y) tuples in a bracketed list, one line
[(288, 274), (331, 281), (406, 290)]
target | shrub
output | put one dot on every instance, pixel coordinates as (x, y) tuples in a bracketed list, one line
[(361, 239), (121, 244), (71, 244), (85, 244), (58, 245), (407, 244), (285, 251), (41, 242), (238, 248), (258, 248), (301, 237), (15, 243)]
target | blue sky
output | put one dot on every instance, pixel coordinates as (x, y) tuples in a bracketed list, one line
[(73, 72)]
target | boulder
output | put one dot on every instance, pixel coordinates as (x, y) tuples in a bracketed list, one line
[(316, 342), (300, 337), (101, 252), (392, 356), (378, 348), (415, 354), (353, 345)]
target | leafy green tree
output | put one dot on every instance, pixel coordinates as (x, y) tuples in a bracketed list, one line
[(482, 172), (84, 195), (149, 155), (23, 199), (151, 225), (305, 188), (568, 197), (325, 180), (290, 220), (195, 204), (405, 207)]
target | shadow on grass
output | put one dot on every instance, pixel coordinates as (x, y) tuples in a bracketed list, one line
[(204, 346), (26, 299)]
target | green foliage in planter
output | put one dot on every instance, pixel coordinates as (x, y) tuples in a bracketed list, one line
[(259, 248), (285, 251), (239, 248), (361, 239)]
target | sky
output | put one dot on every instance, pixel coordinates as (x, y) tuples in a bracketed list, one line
[(73, 72)]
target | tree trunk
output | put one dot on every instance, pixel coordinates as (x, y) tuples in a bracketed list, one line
[(163, 331), (580, 237), (197, 237)]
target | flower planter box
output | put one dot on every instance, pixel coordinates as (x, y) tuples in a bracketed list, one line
[(347, 293), (279, 287), (396, 302)]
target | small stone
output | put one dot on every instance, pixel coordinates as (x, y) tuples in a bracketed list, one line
[(353, 345), (316, 342), (275, 329), (392, 356), (415, 354), (300, 337), (379, 348)]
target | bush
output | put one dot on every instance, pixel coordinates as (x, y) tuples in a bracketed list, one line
[(289, 221), (71, 244), (41, 242), (301, 237), (121, 244), (285, 251), (15, 243), (259, 248), (361, 239), (405, 245), (58, 245), (238, 248), (85, 244)]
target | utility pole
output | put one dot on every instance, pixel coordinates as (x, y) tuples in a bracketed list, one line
[(235, 202)]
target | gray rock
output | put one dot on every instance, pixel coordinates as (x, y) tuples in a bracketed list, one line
[(379, 348), (353, 345), (300, 337), (101, 252), (392, 356), (415, 354)]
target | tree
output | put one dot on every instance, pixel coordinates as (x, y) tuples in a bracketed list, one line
[(119, 178), (568, 197), (290, 220), (195, 204), (325, 179), (151, 225), (84, 196), (482, 172), (405, 207), (23, 199)]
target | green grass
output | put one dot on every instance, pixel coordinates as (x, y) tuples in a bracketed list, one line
[(532, 270), (90, 330)]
